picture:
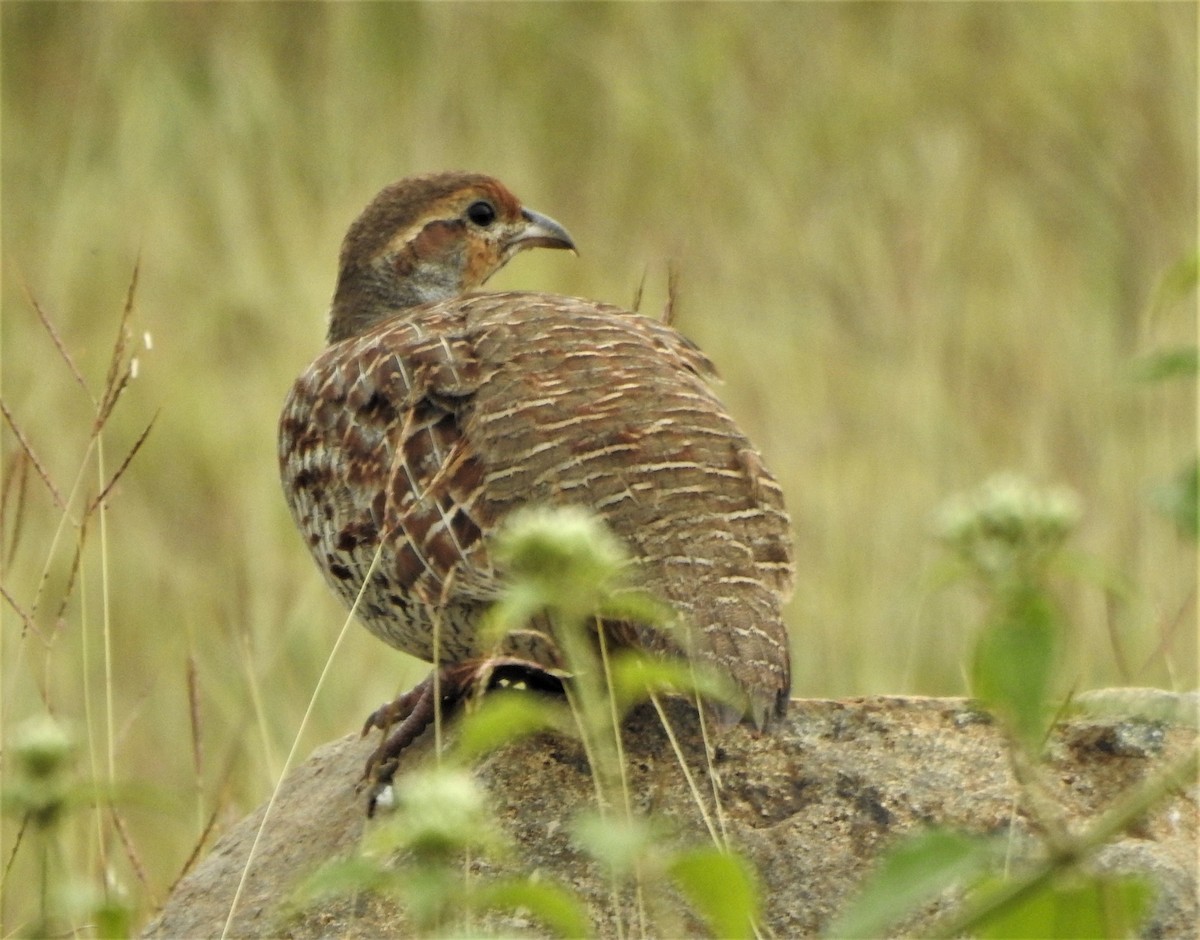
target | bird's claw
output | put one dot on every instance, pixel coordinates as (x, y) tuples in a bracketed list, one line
[(404, 720)]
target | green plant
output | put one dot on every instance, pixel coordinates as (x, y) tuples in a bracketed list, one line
[(1006, 535), (566, 570), (41, 792), (1177, 498), (899, 286)]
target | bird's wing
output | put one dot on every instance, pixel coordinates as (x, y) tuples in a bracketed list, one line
[(590, 405), (372, 456), (425, 433)]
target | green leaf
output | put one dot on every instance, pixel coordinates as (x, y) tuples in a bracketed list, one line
[(1097, 907), (721, 886), (1178, 501), (636, 676), (1015, 662), (1167, 364), (909, 875), (1152, 705), (566, 554), (617, 843), (112, 919), (638, 607), (552, 904), (520, 603), (343, 876), (439, 812), (1176, 283), (506, 716), (429, 893)]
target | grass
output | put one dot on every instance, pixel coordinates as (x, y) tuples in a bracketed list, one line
[(565, 568), (921, 243)]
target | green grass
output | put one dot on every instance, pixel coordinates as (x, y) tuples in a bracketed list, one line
[(920, 242)]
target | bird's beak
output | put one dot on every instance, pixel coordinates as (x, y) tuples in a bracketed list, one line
[(541, 231)]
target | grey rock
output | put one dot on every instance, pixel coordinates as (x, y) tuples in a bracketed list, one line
[(812, 805)]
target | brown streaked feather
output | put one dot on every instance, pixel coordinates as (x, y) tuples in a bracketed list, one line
[(426, 431)]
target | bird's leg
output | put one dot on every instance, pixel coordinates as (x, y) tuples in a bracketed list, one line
[(403, 720), (397, 711)]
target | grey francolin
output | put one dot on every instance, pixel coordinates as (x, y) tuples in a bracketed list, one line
[(436, 412)]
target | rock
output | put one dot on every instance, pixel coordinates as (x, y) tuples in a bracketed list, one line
[(812, 805)]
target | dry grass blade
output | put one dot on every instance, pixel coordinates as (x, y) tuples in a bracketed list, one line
[(193, 687), (1115, 641), (16, 481), (641, 288), (131, 854), (672, 303), (26, 617), (109, 401), (56, 339), (59, 502), (69, 589), (12, 857), (194, 855), (211, 824), (119, 368), (1169, 631), (137, 445), (717, 837)]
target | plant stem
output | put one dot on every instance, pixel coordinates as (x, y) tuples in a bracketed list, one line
[(1070, 852)]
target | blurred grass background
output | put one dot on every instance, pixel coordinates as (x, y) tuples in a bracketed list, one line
[(920, 241)]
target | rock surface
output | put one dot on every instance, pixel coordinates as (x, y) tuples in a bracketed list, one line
[(812, 806)]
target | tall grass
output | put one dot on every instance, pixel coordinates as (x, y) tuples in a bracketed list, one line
[(919, 241)]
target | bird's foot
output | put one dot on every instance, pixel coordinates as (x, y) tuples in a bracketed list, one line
[(403, 720)]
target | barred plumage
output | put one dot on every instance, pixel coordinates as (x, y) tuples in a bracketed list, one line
[(427, 421)]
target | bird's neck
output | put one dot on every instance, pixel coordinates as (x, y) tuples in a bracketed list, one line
[(364, 298)]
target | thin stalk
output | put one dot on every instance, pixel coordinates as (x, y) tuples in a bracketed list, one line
[(312, 701), (85, 631), (687, 772), (615, 719), (589, 753), (260, 712), (106, 615), (713, 777), (1070, 852)]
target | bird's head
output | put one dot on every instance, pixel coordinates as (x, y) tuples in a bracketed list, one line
[(429, 238)]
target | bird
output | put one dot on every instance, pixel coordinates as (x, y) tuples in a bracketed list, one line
[(438, 410)]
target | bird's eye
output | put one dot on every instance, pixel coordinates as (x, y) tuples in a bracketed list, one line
[(482, 213)]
